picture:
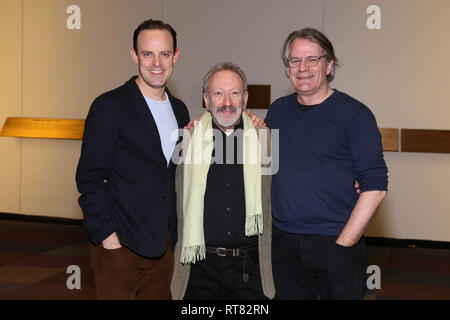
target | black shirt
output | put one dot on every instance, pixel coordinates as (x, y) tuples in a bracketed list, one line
[(224, 203)]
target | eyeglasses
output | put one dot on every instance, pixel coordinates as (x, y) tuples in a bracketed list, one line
[(310, 61)]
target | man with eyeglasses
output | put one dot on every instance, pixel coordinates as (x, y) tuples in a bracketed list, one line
[(328, 140)]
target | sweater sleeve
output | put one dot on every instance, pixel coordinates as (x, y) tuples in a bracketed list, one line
[(367, 152)]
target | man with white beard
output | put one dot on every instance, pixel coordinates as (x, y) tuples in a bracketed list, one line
[(223, 199)]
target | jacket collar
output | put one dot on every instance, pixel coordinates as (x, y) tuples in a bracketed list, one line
[(140, 106)]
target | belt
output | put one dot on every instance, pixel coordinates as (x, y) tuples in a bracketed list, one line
[(234, 252)]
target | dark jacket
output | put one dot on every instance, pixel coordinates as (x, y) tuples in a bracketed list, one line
[(121, 145), (180, 278)]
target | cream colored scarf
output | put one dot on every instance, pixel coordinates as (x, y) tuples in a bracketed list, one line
[(196, 165)]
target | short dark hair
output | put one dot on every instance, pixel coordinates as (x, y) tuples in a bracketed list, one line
[(313, 35), (152, 25)]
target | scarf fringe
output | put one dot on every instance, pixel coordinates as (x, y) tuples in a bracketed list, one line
[(254, 225), (192, 254)]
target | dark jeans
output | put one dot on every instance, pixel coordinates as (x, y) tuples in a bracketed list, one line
[(219, 278), (122, 274), (311, 267)]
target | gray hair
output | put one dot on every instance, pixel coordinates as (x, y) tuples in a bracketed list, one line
[(222, 67), (313, 35)]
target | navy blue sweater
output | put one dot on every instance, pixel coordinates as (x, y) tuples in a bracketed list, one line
[(322, 152)]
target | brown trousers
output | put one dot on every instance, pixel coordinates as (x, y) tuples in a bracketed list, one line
[(122, 274)]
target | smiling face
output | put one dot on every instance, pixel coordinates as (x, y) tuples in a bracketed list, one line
[(225, 98), (155, 57), (309, 82)]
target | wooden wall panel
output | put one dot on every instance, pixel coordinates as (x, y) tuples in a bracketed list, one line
[(258, 96), (437, 141), (412, 140), (390, 139), (43, 128)]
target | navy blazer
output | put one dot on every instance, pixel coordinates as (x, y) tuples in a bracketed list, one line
[(121, 145)]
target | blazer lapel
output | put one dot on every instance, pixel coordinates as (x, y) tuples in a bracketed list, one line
[(140, 106)]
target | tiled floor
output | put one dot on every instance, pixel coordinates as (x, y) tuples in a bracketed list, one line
[(411, 273), (34, 258)]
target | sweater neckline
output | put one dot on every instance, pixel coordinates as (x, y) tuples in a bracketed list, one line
[(315, 107)]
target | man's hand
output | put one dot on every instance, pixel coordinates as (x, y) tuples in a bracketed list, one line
[(257, 121), (194, 122), (358, 190), (112, 242)]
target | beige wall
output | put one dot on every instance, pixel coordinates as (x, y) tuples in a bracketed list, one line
[(399, 71), (10, 105), (57, 75), (249, 33)]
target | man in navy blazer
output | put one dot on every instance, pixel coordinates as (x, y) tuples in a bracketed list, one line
[(125, 175)]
